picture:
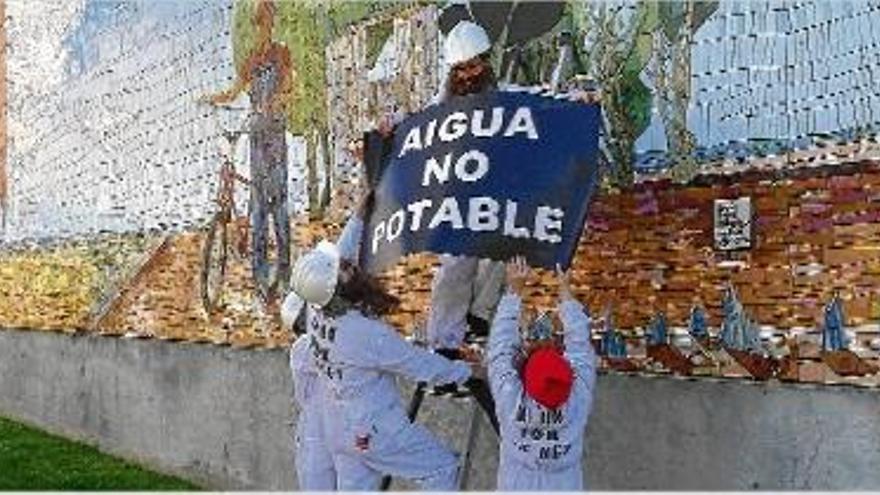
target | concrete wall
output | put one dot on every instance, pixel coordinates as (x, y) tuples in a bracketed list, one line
[(213, 414), (222, 416)]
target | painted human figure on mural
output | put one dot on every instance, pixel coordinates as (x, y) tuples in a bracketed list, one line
[(267, 75), (834, 336)]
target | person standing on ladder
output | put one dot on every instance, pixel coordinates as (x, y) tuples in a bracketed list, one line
[(465, 290), (543, 390), (267, 73)]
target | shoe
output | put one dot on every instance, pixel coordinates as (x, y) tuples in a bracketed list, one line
[(478, 329), (448, 353), (450, 390)]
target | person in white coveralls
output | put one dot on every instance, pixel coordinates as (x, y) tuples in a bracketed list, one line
[(313, 461), (465, 290), (543, 392), (357, 357)]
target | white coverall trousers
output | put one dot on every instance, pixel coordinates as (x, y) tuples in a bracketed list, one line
[(462, 285), (312, 459), (412, 452), (364, 417), (313, 462)]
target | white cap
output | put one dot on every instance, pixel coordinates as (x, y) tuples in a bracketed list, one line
[(290, 309), (464, 42), (315, 274)]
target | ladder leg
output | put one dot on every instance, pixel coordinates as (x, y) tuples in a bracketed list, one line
[(470, 439)]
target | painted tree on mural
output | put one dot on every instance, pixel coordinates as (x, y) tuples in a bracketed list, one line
[(617, 48), (614, 43), (671, 74)]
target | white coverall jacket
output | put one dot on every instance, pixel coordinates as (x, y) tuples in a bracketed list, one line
[(312, 458), (541, 449), (365, 419)]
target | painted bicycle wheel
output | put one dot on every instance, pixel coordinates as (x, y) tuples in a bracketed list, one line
[(214, 253)]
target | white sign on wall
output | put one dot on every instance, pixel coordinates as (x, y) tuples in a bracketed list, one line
[(733, 224)]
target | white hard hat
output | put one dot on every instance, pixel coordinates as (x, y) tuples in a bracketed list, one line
[(315, 274), (464, 42), (290, 309)]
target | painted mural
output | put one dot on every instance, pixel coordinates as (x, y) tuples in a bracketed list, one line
[(165, 160)]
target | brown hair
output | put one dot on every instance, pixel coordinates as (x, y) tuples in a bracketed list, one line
[(361, 291), (486, 79)]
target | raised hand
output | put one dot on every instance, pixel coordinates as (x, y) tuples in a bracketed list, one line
[(386, 125), (564, 284), (517, 273)]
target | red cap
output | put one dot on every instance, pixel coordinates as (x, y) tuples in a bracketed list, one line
[(547, 377)]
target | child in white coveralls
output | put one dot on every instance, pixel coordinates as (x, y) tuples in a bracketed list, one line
[(357, 357), (543, 392), (312, 458)]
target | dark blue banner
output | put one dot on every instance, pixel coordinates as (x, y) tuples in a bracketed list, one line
[(489, 176)]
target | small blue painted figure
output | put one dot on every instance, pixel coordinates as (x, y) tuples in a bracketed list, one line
[(733, 326), (657, 330), (542, 328), (738, 331), (697, 326), (833, 335), (613, 344)]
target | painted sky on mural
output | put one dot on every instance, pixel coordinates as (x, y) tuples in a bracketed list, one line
[(54, 41), (36, 58)]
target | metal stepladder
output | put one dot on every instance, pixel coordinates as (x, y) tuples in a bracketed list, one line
[(473, 426)]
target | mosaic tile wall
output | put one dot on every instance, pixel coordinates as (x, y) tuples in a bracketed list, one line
[(653, 249), (112, 165), (104, 103), (120, 143), (118, 147), (404, 78), (782, 70)]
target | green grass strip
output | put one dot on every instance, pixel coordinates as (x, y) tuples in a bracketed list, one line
[(34, 460)]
